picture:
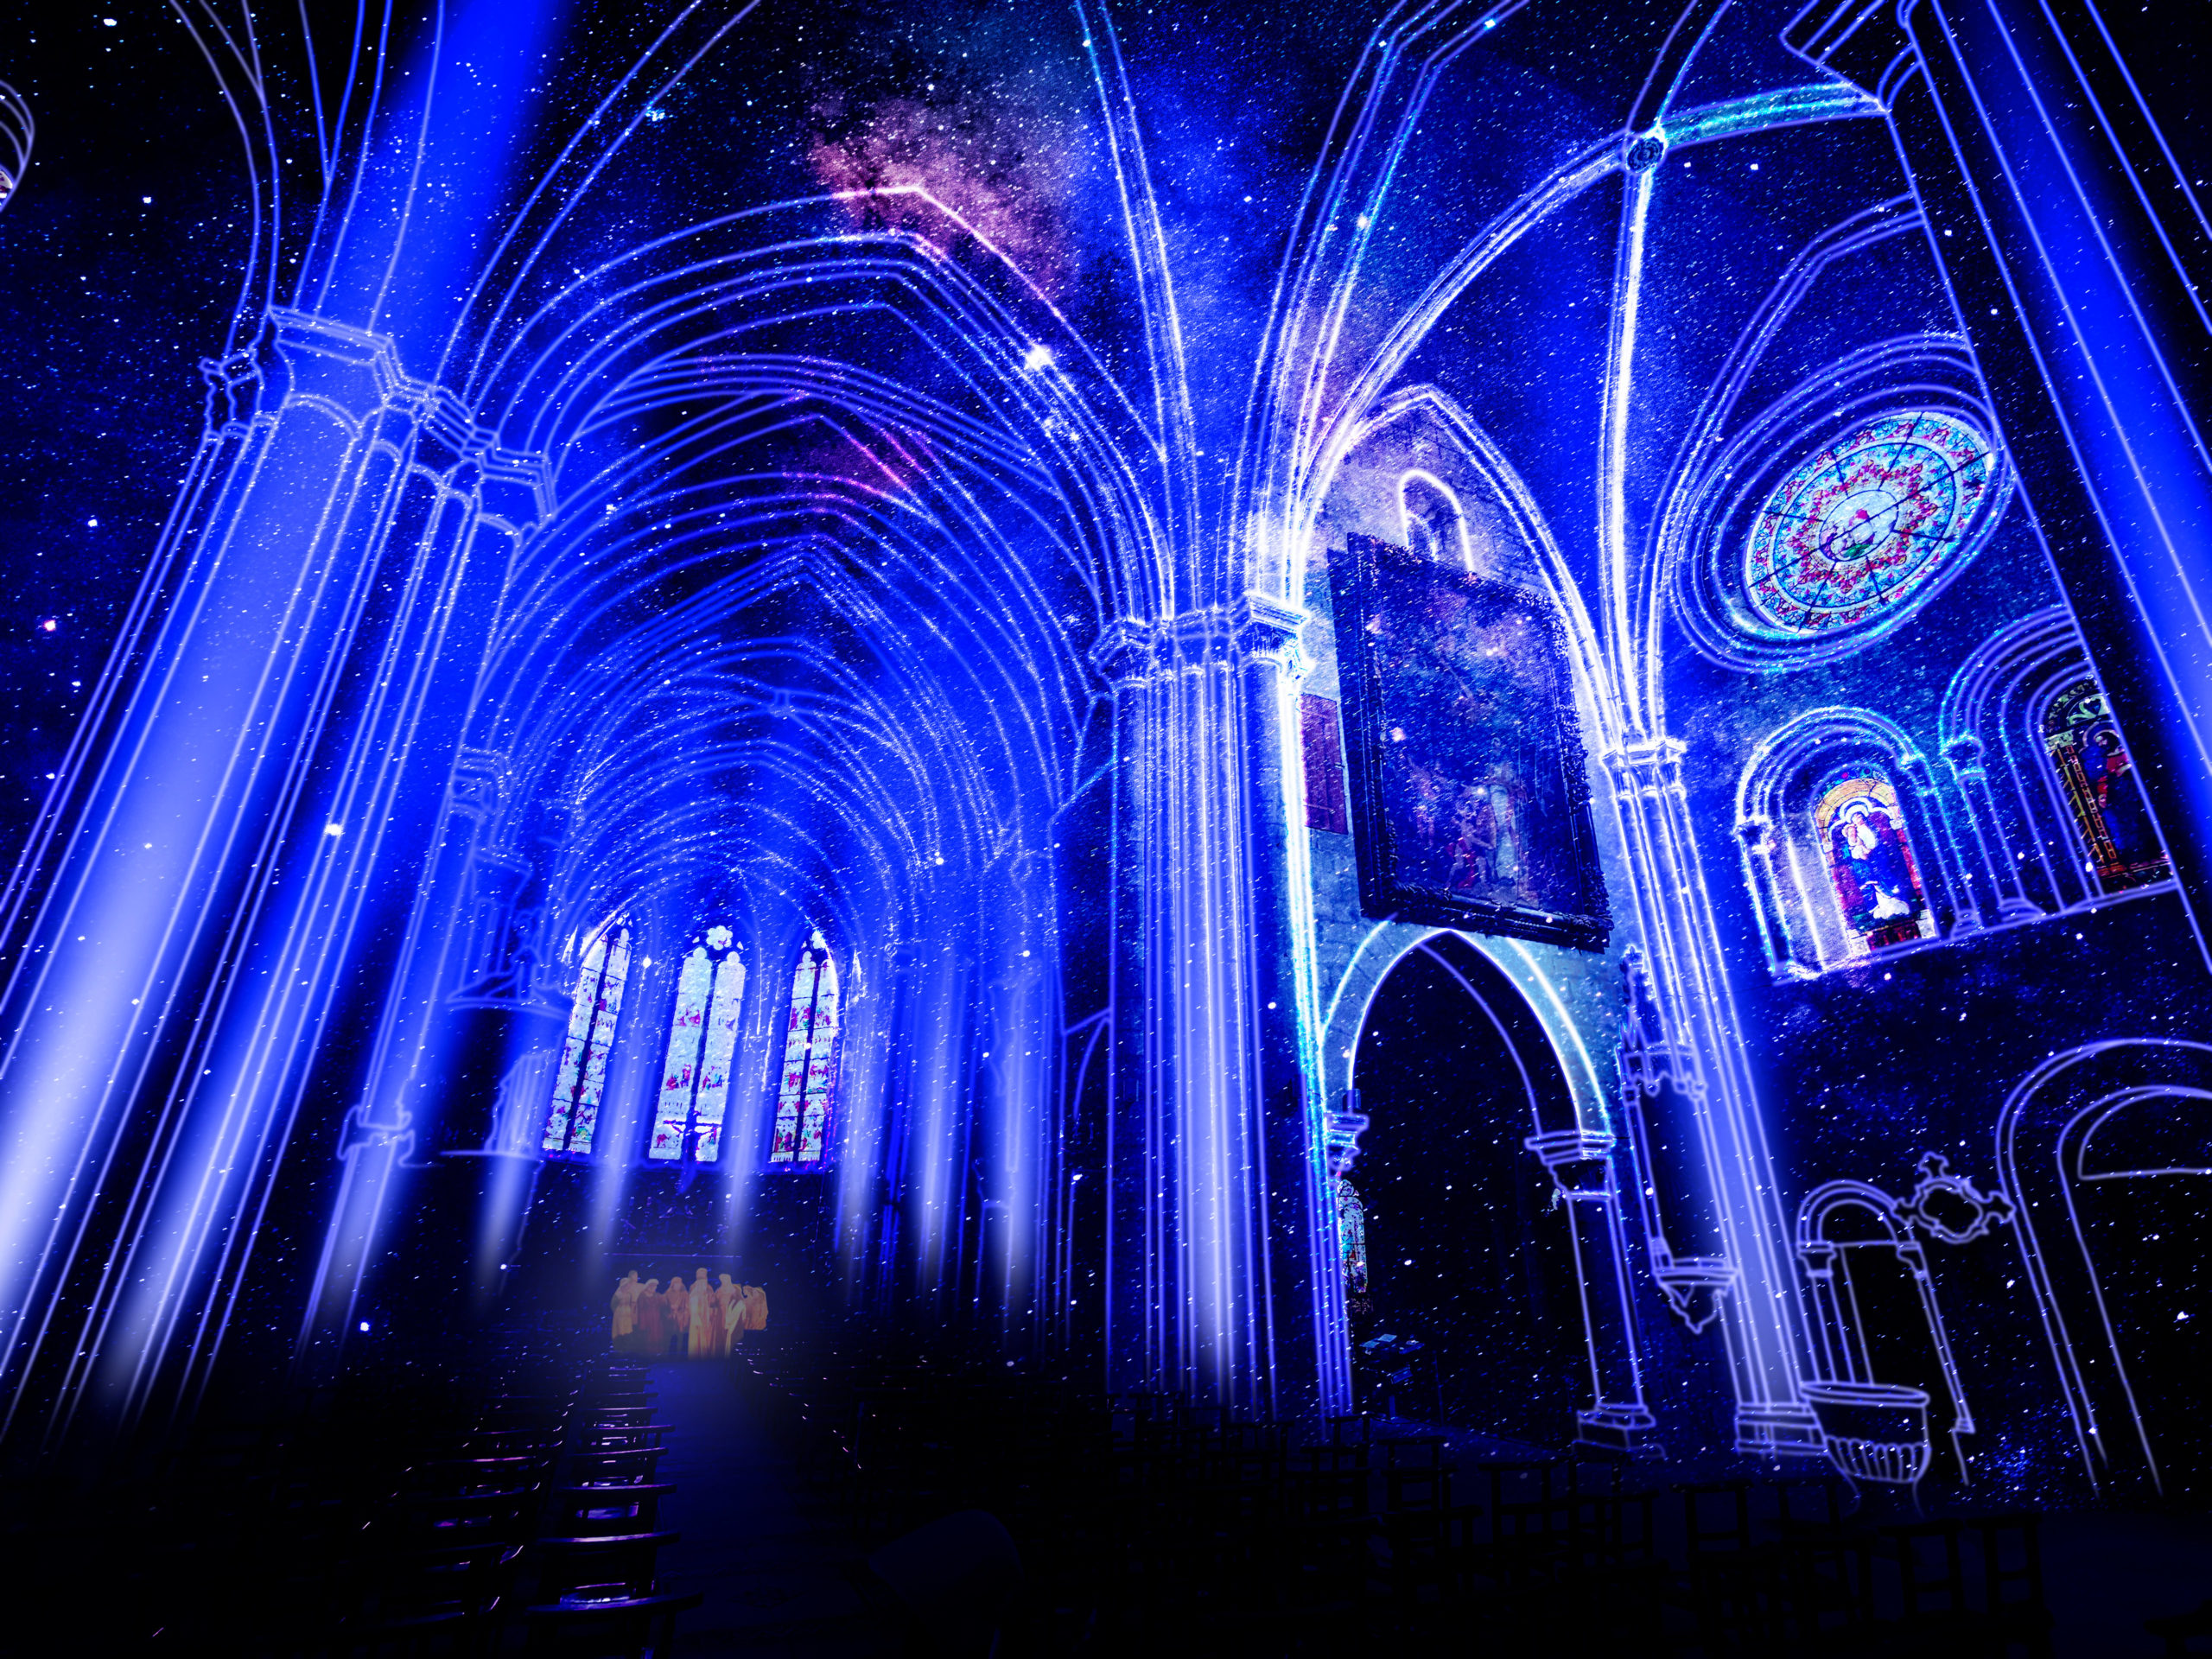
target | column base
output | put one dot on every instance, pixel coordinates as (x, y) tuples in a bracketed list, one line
[(1780, 1431), (1620, 1429)]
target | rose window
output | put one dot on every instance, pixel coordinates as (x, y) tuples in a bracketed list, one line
[(1866, 524)]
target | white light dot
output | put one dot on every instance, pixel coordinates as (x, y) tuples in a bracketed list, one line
[(333, 828)]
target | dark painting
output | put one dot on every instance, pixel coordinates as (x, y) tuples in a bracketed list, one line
[(1470, 804)]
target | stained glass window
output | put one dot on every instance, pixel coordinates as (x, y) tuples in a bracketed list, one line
[(1870, 865), (1868, 523), (806, 1099), (702, 1036), (1352, 1233), (573, 1114), (2110, 814)]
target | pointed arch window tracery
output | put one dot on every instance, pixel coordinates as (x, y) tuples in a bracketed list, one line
[(806, 1095), (702, 1039), (572, 1115)]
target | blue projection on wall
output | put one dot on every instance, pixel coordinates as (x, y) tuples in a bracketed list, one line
[(752, 655)]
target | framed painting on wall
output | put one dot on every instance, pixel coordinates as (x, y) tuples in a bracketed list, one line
[(1471, 797)]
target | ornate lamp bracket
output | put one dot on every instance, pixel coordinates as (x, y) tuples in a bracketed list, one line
[(1950, 1207)]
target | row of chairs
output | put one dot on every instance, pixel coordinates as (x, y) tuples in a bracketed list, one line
[(506, 1503), (538, 1526), (1141, 1518)]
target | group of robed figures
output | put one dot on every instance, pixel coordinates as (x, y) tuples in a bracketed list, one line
[(700, 1321)]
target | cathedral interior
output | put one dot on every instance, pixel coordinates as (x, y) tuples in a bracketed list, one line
[(1341, 824)]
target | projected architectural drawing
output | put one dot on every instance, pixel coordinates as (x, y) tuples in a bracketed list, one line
[(941, 659)]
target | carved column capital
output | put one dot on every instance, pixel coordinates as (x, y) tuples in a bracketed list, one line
[(1267, 628), (1581, 1161), (1340, 1132), (1646, 766), (478, 788), (1126, 652)]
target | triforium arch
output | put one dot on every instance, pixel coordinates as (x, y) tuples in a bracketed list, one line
[(1824, 900), (1567, 1128), (2042, 830)]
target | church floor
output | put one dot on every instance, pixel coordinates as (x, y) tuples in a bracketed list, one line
[(780, 1575), (775, 1580)]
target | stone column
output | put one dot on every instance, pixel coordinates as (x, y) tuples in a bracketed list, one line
[(1748, 1274), (1311, 1359), (2077, 265), (1758, 837), (215, 870), (2000, 873), (1581, 1166), (1138, 1285), (1221, 1237), (1950, 867)]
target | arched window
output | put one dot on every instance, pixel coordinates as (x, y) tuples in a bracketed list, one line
[(1435, 527), (806, 1099), (2058, 817), (1859, 827), (573, 1114), (1846, 846), (702, 1036), (2110, 817)]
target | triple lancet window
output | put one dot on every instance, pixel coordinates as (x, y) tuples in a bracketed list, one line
[(692, 1102)]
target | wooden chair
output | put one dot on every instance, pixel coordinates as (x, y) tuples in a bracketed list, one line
[(590, 1511), (598, 1567), (614, 1627)]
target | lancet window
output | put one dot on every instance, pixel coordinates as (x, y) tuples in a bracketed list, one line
[(806, 1097), (2105, 799), (572, 1117), (1435, 526), (702, 1039)]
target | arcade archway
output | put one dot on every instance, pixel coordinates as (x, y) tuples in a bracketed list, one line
[(1470, 1251)]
